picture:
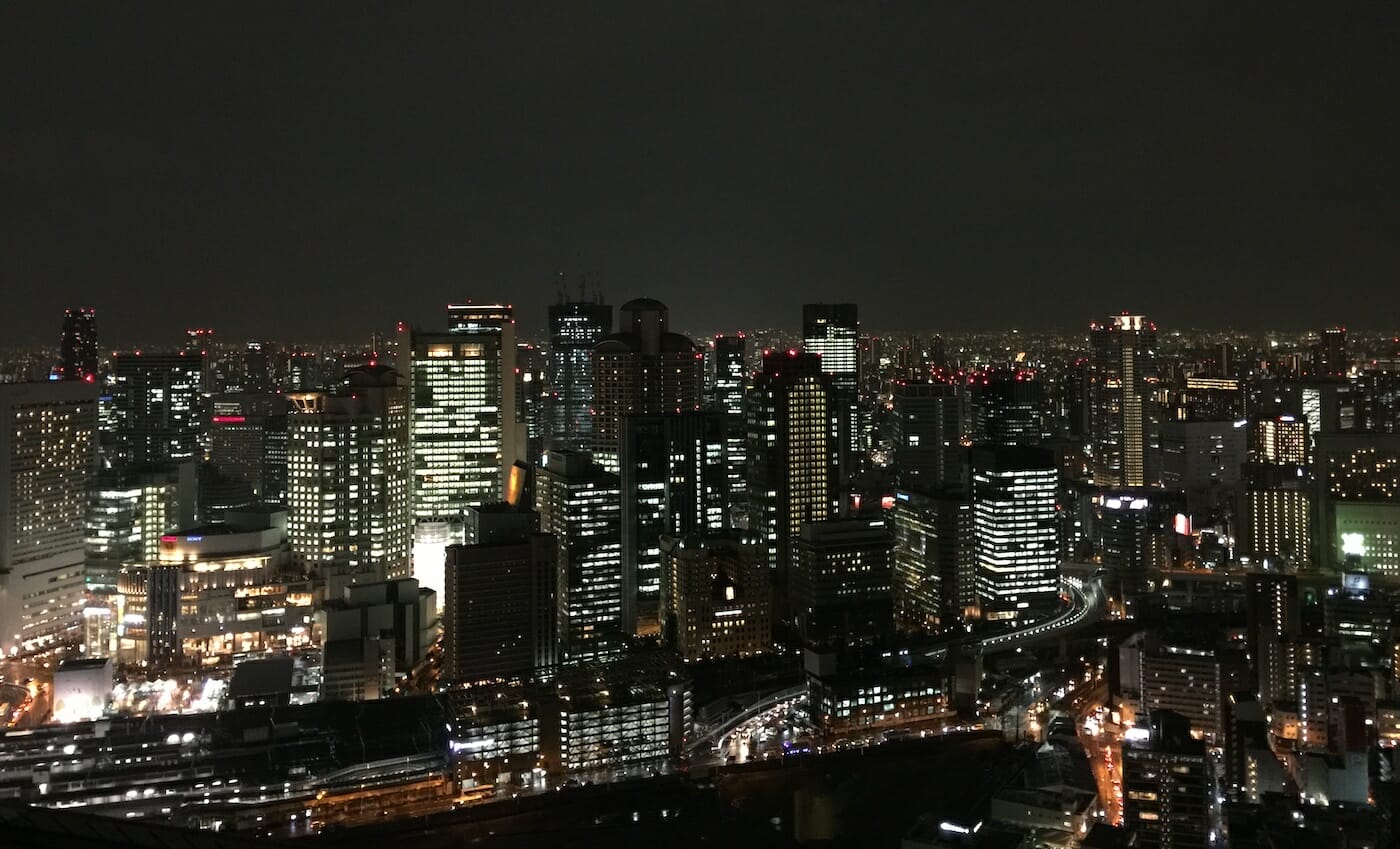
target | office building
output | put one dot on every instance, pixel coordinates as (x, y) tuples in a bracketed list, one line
[(1007, 404), (348, 493), (1015, 530), (1203, 456), (793, 456), (832, 331), (1166, 785), (643, 370), (580, 504), (730, 361), (157, 407), (575, 328), (674, 481), (530, 372), (1123, 416), (127, 514), (248, 442), (935, 570), (1330, 357), (716, 596), (500, 612), (928, 432), (77, 352), (841, 584), (1359, 501), (47, 457), (462, 396)]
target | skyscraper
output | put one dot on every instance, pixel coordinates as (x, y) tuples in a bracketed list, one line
[(157, 405), (716, 596), (348, 498), (841, 583), (248, 441), (500, 611), (575, 328), (731, 377), (1014, 525), (1330, 357), (643, 370), (1122, 415), (934, 568), (832, 331), (77, 355), (674, 482), (462, 387), (580, 503), (928, 436), (47, 458), (1008, 406), (793, 455)]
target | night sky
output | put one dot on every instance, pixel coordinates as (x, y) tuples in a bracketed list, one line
[(289, 173)]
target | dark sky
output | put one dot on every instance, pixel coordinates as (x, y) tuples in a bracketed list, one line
[(323, 172)]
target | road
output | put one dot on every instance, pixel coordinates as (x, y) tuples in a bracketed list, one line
[(1086, 606)]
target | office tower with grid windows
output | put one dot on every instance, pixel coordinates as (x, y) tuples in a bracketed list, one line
[(580, 503), (1015, 531), (674, 482), (349, 512), (730, 361), (575, 328), (643, 370), (465, 431), (832, 331), (157, 408)]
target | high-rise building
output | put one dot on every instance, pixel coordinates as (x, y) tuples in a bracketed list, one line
[(832, 331), (1273, 618), (1279, 439), (841, 585), (575, 328), (348, 502), (248, 442), (1123, 417), (644, 370), (157, 404), (1277, 513), (47, 458), (935, 571), (129, 511), (929, 453), (674, 482), (530, 399), (1330, 357), (1201, 455), (1166, 785), (500, 610), (716, 596), (1008, 406), (580, 503), (462, 386), (793, 455), (77, 353), (730, 360), (1015, 531), (1190, 677)]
